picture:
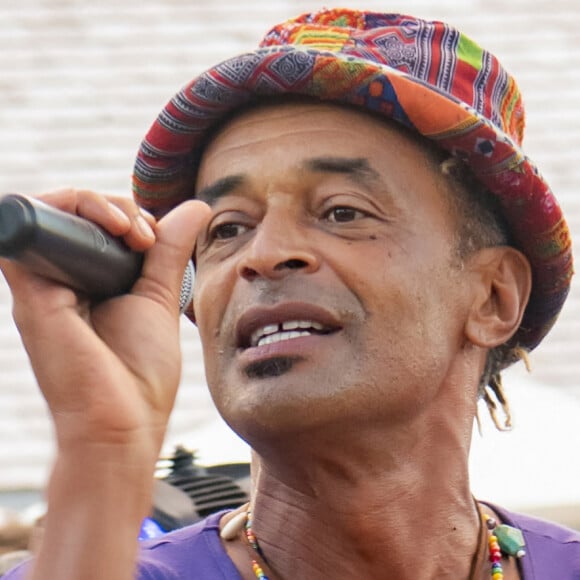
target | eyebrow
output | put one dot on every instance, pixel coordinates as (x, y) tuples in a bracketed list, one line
[(357, 168), (219, 188)]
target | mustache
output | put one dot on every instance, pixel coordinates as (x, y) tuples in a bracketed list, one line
[(299, 289)]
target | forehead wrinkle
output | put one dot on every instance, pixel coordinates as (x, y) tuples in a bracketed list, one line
[(216, 190), (358, 168)]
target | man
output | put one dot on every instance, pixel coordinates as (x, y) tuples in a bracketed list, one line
[(375, 249)]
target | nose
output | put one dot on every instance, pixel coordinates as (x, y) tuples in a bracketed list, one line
[(280, 246)]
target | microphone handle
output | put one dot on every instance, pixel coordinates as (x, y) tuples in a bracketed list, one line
[(66, 248)]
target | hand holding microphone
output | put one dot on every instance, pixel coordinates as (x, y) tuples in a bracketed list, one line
[(109, 373), (71, 250)]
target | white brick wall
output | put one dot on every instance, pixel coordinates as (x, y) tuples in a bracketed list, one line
[(80, 82)]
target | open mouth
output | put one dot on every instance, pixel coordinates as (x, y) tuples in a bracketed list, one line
[(279, 332), (271, 340), (262, 326)]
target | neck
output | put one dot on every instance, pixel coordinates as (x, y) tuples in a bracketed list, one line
[(367, 505)]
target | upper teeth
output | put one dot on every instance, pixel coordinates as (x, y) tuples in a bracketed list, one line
[(284, 331)]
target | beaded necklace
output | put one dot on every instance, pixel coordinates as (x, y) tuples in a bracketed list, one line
[(501, 539), (253, 541)]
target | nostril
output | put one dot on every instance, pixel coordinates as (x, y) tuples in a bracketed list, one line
[(291, 264), (249, 273), (294, 264), (274, 266)]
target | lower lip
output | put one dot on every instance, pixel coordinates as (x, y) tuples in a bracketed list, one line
[(300, 347)]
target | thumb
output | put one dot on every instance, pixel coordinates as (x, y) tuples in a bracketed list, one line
[(166, 260)]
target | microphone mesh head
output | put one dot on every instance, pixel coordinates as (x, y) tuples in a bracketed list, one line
[(186, 294)]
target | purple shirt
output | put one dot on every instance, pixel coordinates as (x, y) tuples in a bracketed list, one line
[(196, 552)]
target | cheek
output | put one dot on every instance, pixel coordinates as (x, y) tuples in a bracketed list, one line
[(211, 298), (419, 306)]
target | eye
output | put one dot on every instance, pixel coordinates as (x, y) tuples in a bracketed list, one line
[(343, 214), (227, 231)]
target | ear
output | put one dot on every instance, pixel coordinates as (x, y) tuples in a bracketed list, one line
[(502, 286)]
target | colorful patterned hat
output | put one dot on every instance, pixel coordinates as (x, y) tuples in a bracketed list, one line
[(425, 75)]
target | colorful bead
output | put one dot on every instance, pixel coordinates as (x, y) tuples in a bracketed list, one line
[(494, 550), (253, 541), (250, 535), (251, 538), (258, 571), (491, 523)]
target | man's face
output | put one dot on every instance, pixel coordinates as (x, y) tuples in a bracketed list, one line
[(327, 288)]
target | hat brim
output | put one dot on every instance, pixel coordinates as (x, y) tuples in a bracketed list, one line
[(165, 169)]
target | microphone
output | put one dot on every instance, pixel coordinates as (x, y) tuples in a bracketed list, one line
[(72, 250)]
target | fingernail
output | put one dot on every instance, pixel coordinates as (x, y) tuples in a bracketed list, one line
[(144, 227), (119, 213)]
